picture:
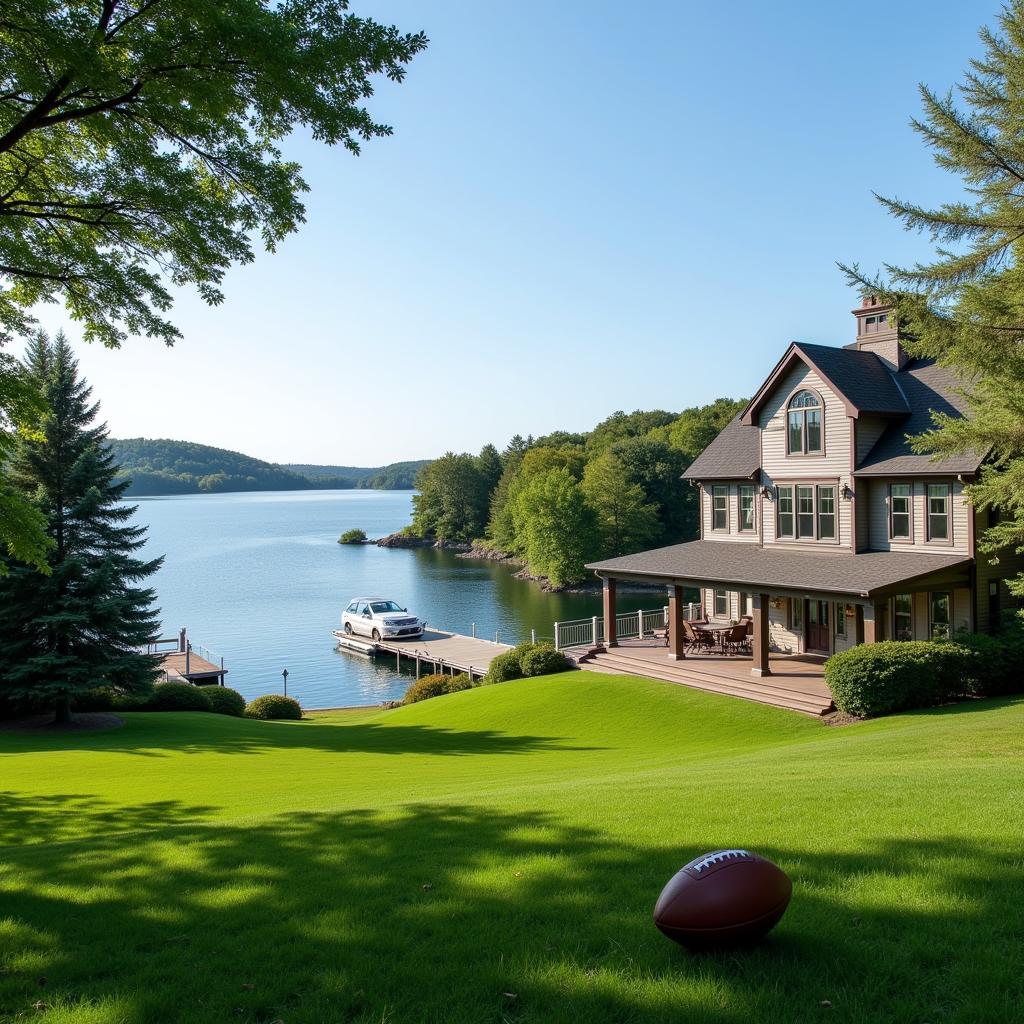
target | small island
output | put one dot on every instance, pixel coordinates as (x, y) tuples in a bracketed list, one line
[(353, 536)]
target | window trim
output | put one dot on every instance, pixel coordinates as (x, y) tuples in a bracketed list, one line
[(714, 599), (715, 488), (792, 624), (839, 625), (752, 528), (804, 453), (893, 539), (816, 485), (948, 595), (946, 541), (895, 629)]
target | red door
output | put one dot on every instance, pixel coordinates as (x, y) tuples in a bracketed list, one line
[(817, 627)]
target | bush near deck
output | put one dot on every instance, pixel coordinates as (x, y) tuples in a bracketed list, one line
[(897, 675), (524, 661)]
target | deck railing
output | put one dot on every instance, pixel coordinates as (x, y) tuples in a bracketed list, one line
[(629, 626)]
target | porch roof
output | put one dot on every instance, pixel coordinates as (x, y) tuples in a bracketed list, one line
[(771, 568)]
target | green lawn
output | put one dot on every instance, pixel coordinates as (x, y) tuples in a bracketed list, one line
[(494, 856)]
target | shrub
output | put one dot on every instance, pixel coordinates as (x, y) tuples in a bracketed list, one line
[(435, 686), (504, 667), (895, 675), (176, 697), (998, 660), (225, 701), (100, 699), (352, 537), (543, 660), (273, 706)]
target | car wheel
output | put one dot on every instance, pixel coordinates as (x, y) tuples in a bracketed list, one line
[(348, 628), (376, 636)]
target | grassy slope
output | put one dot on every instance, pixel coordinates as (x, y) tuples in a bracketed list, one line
[(494, 856)]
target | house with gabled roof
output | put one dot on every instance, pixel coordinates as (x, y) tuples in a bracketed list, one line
[(820, 521)]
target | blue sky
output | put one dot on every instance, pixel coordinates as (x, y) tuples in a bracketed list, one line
[(584, 207)]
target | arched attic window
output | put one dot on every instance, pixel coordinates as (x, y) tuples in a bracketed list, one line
[(804, 424)]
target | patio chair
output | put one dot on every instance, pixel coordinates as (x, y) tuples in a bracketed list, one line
[(696, 639), (736, 640)]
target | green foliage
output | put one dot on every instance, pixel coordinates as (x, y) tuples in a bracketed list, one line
[(139, 143), (177, 697), (504, 667), (556, 526), (621, 426), (274, 706), (998, 666), (436, 686), (966, 306), (625, 520), (453, 499), (877, 679), (398, 476), (353, 536), (543, 660), (82, 625), (222, 700)]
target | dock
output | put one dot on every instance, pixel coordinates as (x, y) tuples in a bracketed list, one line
[(436, 651), (181, 661)]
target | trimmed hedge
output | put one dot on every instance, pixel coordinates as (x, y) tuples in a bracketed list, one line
[(526, 660), (274, 706), (878, 679), (176, 697), (225, 701), (436, 685)]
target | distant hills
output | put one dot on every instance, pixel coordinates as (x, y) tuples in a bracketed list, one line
[(162, 466)]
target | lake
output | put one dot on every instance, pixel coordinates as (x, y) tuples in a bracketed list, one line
[(259, 578)]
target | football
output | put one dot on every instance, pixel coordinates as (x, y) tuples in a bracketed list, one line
[(723, 898)]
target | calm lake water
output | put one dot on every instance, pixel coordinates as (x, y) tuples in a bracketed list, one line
[(260, 579)]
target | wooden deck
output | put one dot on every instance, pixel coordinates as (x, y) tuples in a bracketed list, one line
[(199, 669), (797, 682), (436, 650)]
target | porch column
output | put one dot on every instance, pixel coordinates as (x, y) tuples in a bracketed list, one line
[(874, 622), (761, 666), (610, 638), (676, 637)]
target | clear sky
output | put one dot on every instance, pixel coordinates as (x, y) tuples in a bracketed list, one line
[(586, 206)]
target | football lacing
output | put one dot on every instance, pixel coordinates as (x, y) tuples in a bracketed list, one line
[(716, 858)]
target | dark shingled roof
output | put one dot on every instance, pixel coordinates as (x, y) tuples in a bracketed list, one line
[(927, 386), (774, 568), (735, 454), (861, 377)]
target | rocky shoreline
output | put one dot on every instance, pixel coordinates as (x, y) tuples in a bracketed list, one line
[(403, 540)]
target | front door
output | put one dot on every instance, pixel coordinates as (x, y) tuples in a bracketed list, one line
[(817, 627)]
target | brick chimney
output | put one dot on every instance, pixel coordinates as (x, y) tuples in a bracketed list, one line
[(877, 332)]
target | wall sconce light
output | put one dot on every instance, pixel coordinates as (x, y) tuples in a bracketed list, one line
[(847, 493), (767, 492)]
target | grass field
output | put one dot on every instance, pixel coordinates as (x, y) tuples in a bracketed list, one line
[(494, 855)]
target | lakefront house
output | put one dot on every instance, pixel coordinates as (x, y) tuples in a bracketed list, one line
[(820, 522)]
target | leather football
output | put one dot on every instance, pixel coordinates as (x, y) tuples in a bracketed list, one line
[(723, 898)]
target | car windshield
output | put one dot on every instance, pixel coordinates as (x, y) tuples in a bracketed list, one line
[(384, 606)]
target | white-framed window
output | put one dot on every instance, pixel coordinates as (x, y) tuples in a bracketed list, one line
[(939, 513), (826, 512), (747, 514), (721, 603), (804, 424), (900, 514), (939, 617), (903, 617), (719, 507), (787, 523)]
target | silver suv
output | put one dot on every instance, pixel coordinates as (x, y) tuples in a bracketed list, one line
[(379, 619)]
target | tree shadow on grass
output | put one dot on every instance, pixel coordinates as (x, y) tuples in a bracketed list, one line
[(200, 733), (462, 914)]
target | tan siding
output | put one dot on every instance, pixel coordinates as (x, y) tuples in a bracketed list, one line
[(842, 643), (833, 465), (733, 533), (781, 638), (921, 616), (961, 609), (878, 511), (869, 430), (1009, 564)]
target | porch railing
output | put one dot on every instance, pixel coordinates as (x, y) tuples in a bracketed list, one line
[(629, 626)]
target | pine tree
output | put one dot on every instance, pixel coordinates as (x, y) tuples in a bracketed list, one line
[(81, 626), (966, 307)]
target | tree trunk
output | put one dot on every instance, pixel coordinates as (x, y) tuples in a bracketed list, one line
[(62, 711)]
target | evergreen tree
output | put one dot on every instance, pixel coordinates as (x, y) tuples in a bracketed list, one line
[(966, 307), (82, 625), (452, 502), (488, 464)]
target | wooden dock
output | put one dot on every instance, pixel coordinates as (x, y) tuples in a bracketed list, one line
[(435, 651), (181, 662)]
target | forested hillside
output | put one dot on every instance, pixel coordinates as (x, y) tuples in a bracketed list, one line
[(161, 466), (559, 501)]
